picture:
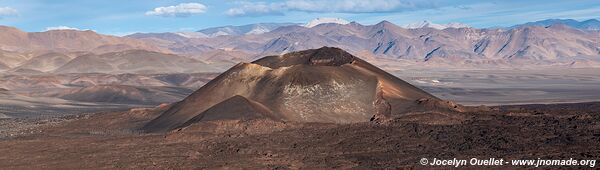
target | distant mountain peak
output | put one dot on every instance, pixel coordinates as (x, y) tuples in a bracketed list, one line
[(590, 24), (250, 29), (319, 21), (384, 22), (258, 29), (65, 28), (456, 25), (429, 24), (191, 34)]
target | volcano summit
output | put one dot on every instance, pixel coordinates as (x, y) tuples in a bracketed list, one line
[(319, 85)]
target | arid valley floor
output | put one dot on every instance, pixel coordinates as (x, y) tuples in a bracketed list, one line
[(112, 140)]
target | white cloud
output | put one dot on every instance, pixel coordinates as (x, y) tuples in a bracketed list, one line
[(62, 28), (7, 11), (338, 6), (181, 10), (256, 9)]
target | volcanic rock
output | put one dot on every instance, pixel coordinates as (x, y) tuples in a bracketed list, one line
[(320, 85), (234, 108)]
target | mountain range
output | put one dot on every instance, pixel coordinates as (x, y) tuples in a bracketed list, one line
[(425, 44), (591, 24), (249, 29), (320, 21), (428, 24), (557, 42), (15, 40)]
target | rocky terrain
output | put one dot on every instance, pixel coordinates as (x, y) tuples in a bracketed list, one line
[(524, 47), (548, 43), (111, 140), (346, 113), (322, 95)]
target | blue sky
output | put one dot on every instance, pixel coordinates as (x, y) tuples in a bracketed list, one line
[(120, 17)]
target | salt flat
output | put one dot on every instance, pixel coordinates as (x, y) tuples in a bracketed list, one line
[(502, 87)]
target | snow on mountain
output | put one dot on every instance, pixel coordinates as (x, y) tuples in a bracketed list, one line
[(192, 34), (428, 24), (423, 24), (456, 25), (499, 47), (251, 29), (318, 21), (258, 30)]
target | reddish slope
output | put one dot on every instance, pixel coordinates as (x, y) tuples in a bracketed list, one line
[(13, 39), (322, 85)]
